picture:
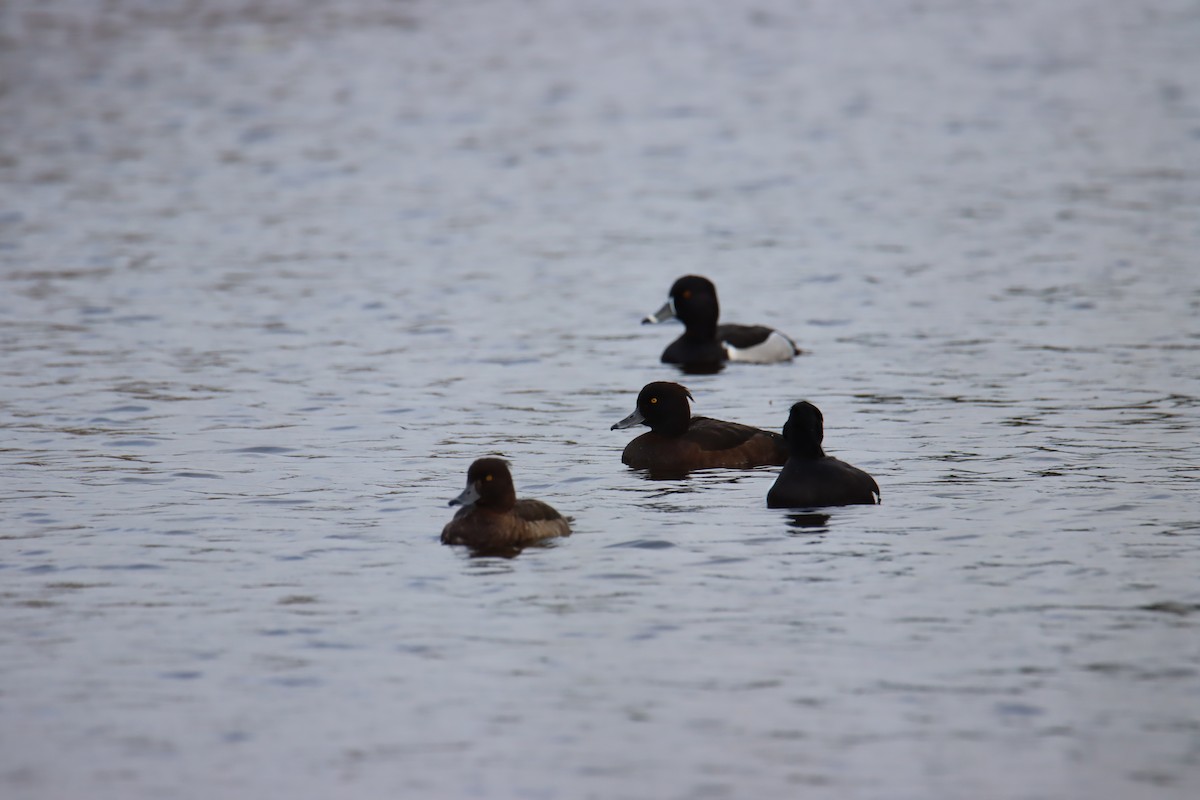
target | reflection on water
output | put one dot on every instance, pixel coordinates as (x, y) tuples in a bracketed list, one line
[(699, 369), (274, 275), (809, 523)]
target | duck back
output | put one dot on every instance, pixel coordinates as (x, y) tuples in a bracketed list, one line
[(529, 521), (707, 444), (826, 481)]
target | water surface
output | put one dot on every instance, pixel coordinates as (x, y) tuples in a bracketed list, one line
[(273, 276)]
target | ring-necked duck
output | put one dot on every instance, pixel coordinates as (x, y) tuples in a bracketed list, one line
[(705, 345), (493, 519), (810, 478), (678, 442)]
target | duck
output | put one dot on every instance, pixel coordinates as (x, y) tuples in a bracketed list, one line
[(810, 478), (706, 346), (493, 519), (679, 443)]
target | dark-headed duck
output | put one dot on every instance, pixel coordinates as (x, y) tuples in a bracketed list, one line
[(705, 345), (810, 478), (493, 519), (678, 442)]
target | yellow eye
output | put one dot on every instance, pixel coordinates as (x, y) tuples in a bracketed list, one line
[(687, 294), (653, 400), (487, 477)]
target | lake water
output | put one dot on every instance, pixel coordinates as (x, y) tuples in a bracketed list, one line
[(275, 273)]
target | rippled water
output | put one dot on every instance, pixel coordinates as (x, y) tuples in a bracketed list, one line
[(275, 273)]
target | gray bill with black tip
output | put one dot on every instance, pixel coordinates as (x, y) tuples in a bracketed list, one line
[(662, 315), (635, 418)]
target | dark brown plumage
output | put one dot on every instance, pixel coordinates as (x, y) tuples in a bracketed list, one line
[(493, 519), (810, 478), (678, 442)]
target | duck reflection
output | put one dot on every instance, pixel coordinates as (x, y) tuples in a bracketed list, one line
[(700, 369), (808, 522), (492, 560)]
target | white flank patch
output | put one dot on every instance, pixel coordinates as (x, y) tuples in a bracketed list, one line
[(775, 347)]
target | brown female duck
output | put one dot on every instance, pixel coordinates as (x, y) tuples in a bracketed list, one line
[(493, 519)]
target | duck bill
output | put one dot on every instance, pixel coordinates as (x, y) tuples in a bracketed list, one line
[(635, 418), (469, 495), (662, 315)]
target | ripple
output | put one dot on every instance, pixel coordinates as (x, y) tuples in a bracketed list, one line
[(645, 544), (1179, 609)]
